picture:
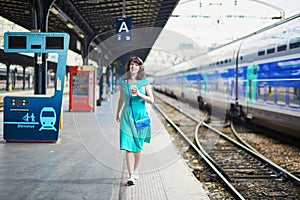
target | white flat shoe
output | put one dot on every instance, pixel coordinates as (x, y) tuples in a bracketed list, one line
[(136, 176), (131, 180)]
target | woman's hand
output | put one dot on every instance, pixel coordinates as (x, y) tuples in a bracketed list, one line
[(134, 90), (137, 92), (120, 105), (118, 118)]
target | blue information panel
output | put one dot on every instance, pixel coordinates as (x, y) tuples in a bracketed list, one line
[(123, 29), (35, 118)]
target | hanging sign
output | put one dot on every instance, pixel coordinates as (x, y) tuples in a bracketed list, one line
[(123, 29)]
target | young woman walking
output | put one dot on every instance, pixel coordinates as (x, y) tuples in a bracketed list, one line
[(135, 91)]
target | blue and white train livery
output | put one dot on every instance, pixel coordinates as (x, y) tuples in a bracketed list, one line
[(256, 78)]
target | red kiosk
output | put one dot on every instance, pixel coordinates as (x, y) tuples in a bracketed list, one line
[(82, 88)]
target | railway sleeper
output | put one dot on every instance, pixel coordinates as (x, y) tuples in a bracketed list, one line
[(247, 176), (276, 194)]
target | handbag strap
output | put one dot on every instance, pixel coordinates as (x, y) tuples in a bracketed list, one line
[(130, 101)]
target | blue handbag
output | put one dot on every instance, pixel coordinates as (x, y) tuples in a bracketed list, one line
[(141, 123)]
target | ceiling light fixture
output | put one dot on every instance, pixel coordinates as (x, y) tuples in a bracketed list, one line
[(70, 25), (81, 35), (54, 10)]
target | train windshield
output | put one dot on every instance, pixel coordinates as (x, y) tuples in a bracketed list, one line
[(48, 114)]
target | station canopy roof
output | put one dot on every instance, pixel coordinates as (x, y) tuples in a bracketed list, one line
[(91, 20)]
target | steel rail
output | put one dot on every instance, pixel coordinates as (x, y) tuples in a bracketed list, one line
[(230, 186), (254, 153), (265, 159)]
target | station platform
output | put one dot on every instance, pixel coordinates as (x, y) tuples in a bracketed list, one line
[(86, 163)]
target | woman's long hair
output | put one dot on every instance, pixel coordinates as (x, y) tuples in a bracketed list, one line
[(141, 73)]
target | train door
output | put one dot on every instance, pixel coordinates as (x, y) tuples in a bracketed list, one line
[(251, 83), (184, 85), (205, 83)]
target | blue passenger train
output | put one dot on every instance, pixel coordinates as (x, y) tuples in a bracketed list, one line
[(255, 78)]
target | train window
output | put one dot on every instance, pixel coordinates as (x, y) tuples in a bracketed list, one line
[(255, 70), (270, 50), (261, 93), (281, 95), (19, 77), (270, 95), (281, 47), (295, 43), (48, 114), (294, 97), (261, 53), (3, 76)]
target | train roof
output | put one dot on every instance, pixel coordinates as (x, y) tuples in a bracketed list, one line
[(260, 30)]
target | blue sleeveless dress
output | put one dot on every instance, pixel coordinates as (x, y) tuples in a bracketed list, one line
[(131, 139)]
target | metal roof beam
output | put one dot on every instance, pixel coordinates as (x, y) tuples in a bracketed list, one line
[(74, 14)]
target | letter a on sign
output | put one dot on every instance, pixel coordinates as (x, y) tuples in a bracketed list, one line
[(123, 29)]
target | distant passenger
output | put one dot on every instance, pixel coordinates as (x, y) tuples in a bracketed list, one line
[(135, 90)]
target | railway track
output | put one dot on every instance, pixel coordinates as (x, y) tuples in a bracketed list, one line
[(246, 173), (251, 173)]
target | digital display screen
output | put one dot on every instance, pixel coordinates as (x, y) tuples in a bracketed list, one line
[(36, 46), (54, 42), (17, 42)]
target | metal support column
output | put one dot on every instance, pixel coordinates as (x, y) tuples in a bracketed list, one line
[(24, 78), (114, 78), (84, 50), (100, 86), (40, 12), (7, 76)]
